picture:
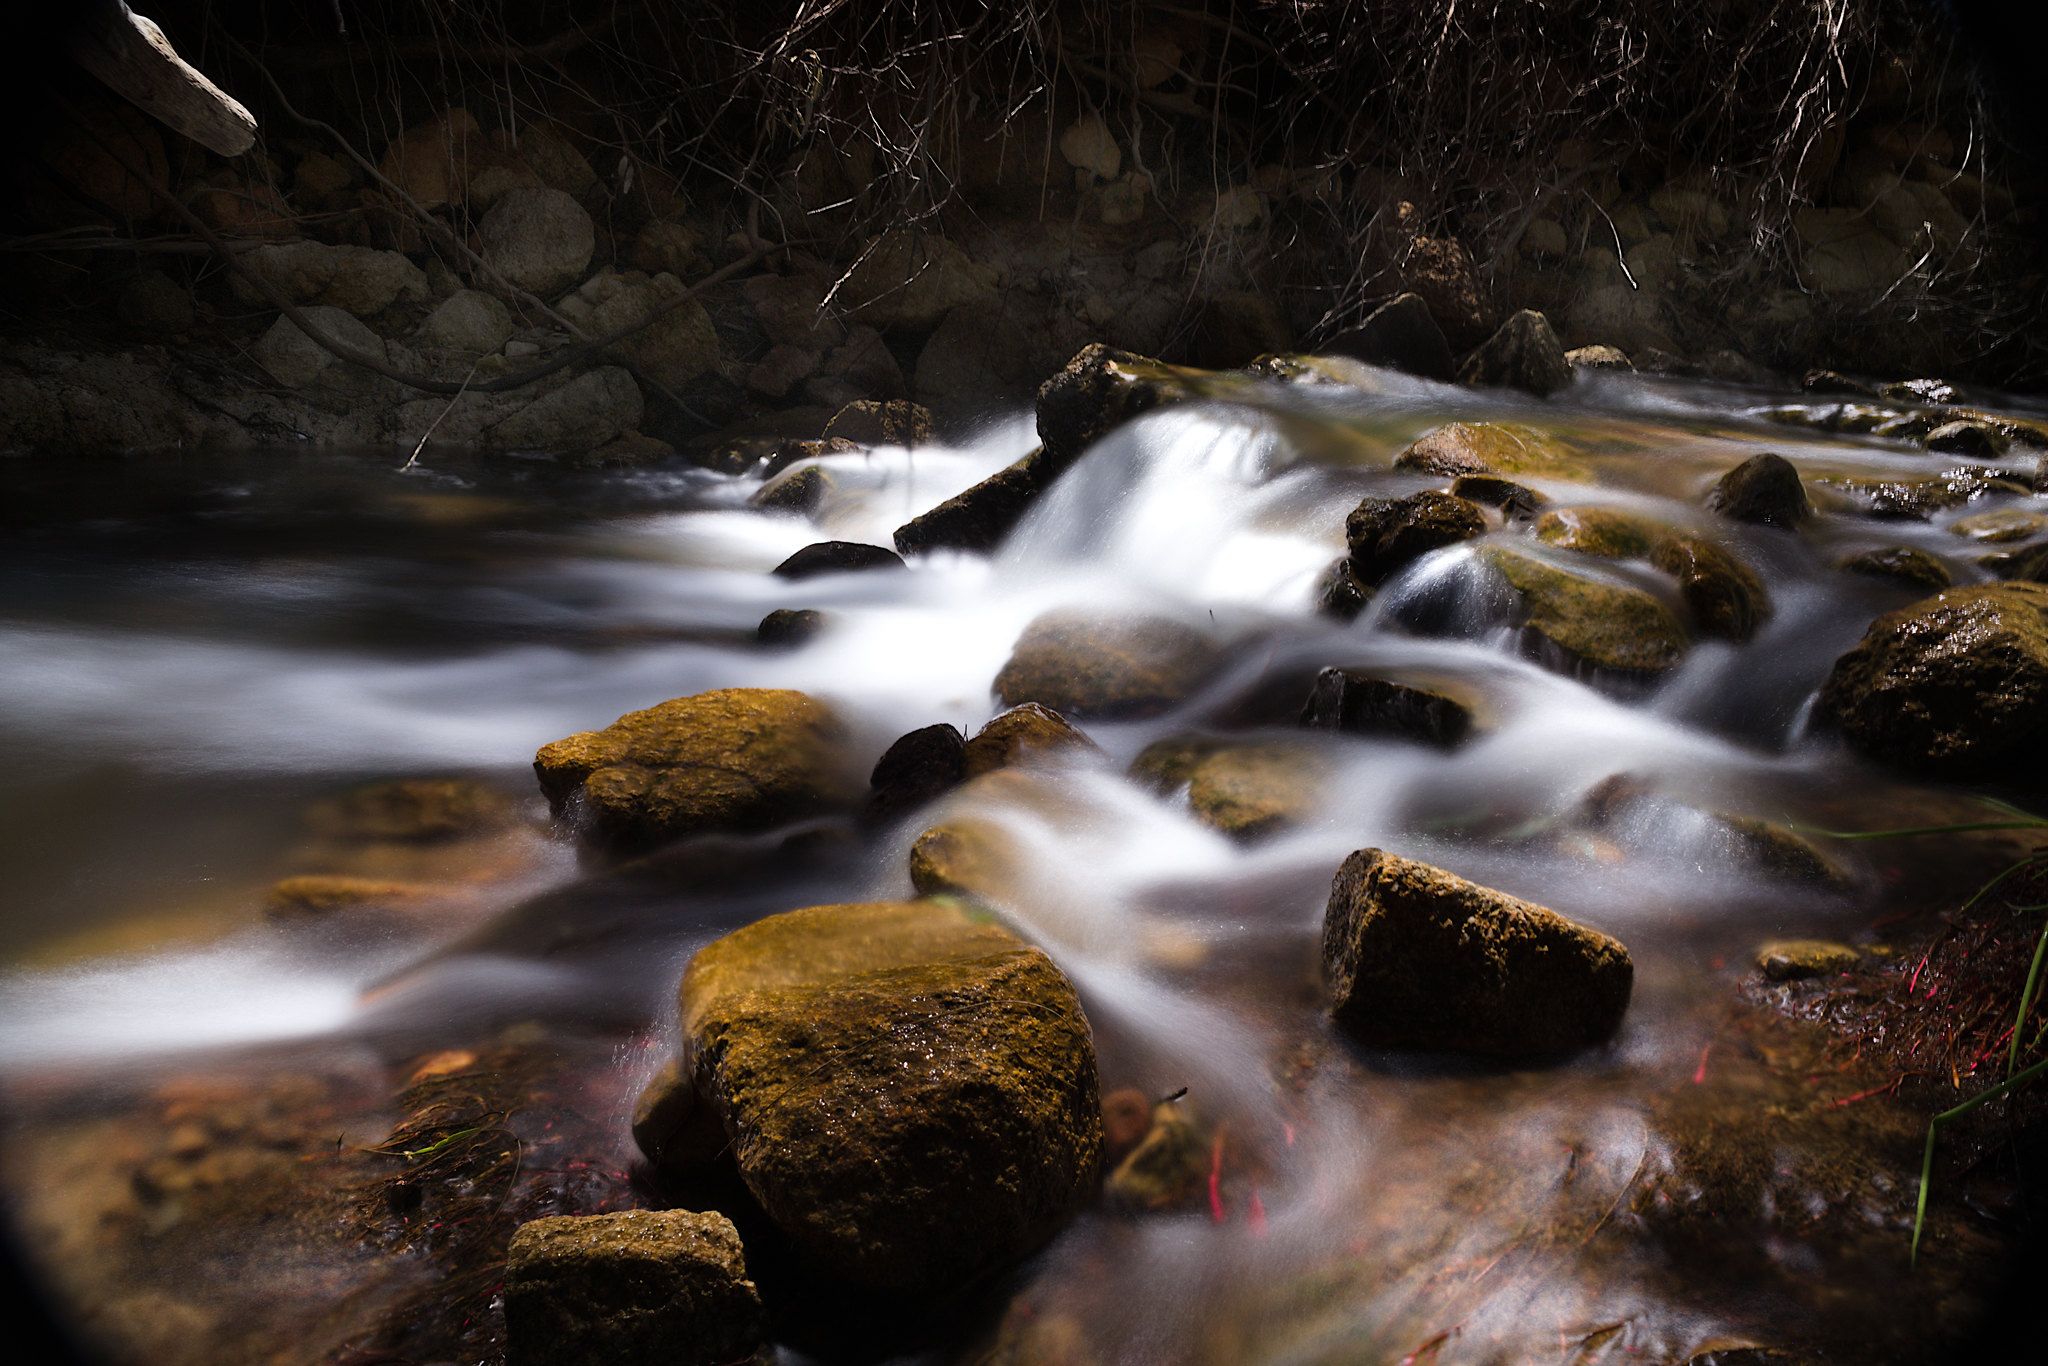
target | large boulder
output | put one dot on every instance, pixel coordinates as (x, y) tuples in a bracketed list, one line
[(909, 1093), (980, 517), (1415, 957), (359, 280), (633, 1288), (881, 422), (1589, 622), (1765, 489), (468, 321), (1955, 686), (537, 238), (1112, 667), (1462, 448), (1386, 535), (1101, 388), (1524, 354), (1725, 596), (733, 759), (678, 342), (296, 361)]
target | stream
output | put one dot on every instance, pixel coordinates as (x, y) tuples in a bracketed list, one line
[(202, 658)]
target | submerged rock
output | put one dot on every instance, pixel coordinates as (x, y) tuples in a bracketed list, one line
[(1166, 1170), (416, 810), (837, 557), (1340, 593), (1764, 489), (1599, 531), (1765, 846), (909, 1094), (1386, 535), (633, 1288), (1499, 448), (1022, 733), (1415, 957), (320, 894), (1725, 595), (1591, 622), (733, 759), (1787, 960), (1399, 335), (1120, 667), (1902, 564), (1246, 789), (787, 626), (1524, 354), (1955, 686), (2001, 527), (1362, 704), (967, 857), (1919, 499)]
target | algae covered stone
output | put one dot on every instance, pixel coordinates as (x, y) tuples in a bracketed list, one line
[(731, 760), (1103, 666), (1243, 788), (1415, 957), (909, 1093), (633, 1288), (1459, 448), (1954, 686), (1602, 625)]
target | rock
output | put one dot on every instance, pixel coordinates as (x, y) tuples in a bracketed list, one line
[(1763, 845), (1524, 354), (1919, 499), (430, 161), (678, 346), (1414, 957), (633, 1288), (734, 759), (982, 516), (1340, 594), (837, 557), (1589, 622), (787, 626), (1487, 448), (2001, 527), (800, 490), (1787, 960), (1386, 535), (1126, 1119), (155, 305), (1108, 667), (1764, 489), (574, 413), (1952, 687), (1167, 1170), (908, 281), (1902, 564), (1020, 734), (1597, 357), (1399, 335), (296, 361), (539, 239), (1361, 704), (468, 321), (1246, 790), (664, 248), (781, 370), (1965, 438), (669, 1127), (317, 894), (414, 810), (967, 857), (1545, 239), (1099, 389), (1725, 596), (891, 422), (552, 156), (788, 307), (1088, 145), (910, 1095), (918, 768), (1517, 502), (1440, 271), (1598, 531)]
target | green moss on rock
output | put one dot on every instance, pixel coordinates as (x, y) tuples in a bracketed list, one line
[(1089, 666), (1602, 625), (1510, 448)]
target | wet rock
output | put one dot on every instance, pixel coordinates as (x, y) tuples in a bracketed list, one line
[(357, 280), (414, 810), (1598, 357), (1935, 391), (1167, 1170), (1787, 960), (634, 1288), (881, 422), (909, 1094), (1835, 382), (669, 1127), (1415, 957), (733, 759), (966, 857), (1020, 735), (1246, 790), (314, 895), (781, 454), (917, 768), (1964, 437), (1902, 564), (1362, 704), (1955, 686), (979, 518), (1599, 531), (1440, 270), (1524, 354), (2001, 527), (800, 490), (1459, 448), (837, 557), (1399, 335), (1590, 622), (537, 238), (1101, 388), (1765, 846), (1725, 596), (1919, 499), (1764, 489), (1386, 535), (468, 321), (1517, 502), (787, 626), (1111, 667), (1340, 594)]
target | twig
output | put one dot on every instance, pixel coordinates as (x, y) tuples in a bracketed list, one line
[(446, 409)]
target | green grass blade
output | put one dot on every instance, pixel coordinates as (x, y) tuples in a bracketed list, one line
[(2012, 1057), (1984, 1097)]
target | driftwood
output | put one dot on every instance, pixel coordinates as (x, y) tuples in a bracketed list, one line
[(130, 54)]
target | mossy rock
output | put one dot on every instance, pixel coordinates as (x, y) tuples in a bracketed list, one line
[(881, 422), (1787, 960), (1415, 957), (320, 894), (1026, 733), (415, 810), (1725, 596), (1090, 666), (1954, 686), (1099, 390), (1901, 564), (632, 1288), (1246, 789), (2001, 527), (1507, 448), (1604, 626), (1918, 499), (909, 1094), (1386, 535), (965, 857), (1603, 532), (731, 760)]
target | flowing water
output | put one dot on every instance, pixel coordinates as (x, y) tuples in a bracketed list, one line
[(198, 657)]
